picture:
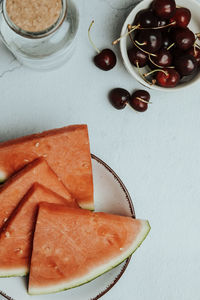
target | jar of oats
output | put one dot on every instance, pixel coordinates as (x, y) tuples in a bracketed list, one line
[(40, 33)]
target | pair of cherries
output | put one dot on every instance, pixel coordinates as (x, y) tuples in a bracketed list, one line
[(139, 100)]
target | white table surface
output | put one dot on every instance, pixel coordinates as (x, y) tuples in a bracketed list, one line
[(156, 153)]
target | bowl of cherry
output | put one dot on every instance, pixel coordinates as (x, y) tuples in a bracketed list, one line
[(160, 43)]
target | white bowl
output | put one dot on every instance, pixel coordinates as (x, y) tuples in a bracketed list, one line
[(125, 42)]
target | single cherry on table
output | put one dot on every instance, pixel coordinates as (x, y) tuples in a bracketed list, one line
[(105, 59), (119, 98), (140, 100)]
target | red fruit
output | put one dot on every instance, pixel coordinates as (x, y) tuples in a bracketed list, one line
[(139, 100), (163, 58), (183, 37), (150, 40), (164, 8), (166, 39), (168, 79), (182, 17), (119, 98), (137, 57), (105, 60), (185, 65), (195, 52), (145, 18)]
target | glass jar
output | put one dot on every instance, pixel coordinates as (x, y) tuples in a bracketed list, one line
[(42, 50)]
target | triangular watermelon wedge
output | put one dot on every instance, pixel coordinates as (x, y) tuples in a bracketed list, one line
[(67, 152), (74, 246), (17, 186), (17, 234)]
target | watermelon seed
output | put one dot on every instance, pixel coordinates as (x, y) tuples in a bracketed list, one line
[(26, 160), (7, 234), (37, 145)]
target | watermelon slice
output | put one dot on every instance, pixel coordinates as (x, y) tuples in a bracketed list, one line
[(74, 246), (17, 234), (67, 152), (17, 186)]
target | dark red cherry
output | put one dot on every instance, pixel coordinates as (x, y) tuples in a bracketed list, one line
[(146, 19), (190, 77), (166, 40), (164, 8), (185, 64), (163, 58), (105, 60), (183, 37), (119, 98), (176, 52), (137, 57), (150, 40), (162, 22), (182, 17), (195, 52), (139, 100), (169, 79)]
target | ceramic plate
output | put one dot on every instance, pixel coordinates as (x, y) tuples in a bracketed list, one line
[(110, 196)]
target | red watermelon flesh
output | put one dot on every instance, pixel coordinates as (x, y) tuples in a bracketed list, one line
[(17, 186), (79, 246), (67, 152), (17, 234)]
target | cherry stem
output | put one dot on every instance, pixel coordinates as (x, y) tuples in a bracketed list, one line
[(171, 67), (195, 50), (142, 100), (158, 27), (89, 36), (133, 28), (141, 75), (172, 45), (197, 45), (157, 70), (132, 40), (154, 62), (140, 44)]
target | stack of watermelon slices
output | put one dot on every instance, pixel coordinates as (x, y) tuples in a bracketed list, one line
[(45, 225)]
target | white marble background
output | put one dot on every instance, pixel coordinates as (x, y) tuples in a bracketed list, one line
[(155, 153)]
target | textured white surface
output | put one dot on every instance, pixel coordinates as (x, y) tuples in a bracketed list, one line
[(156, 153)]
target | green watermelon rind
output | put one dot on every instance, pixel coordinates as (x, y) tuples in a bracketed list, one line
[(89, 206), (141, 237), (13, 273), (3, 176)]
